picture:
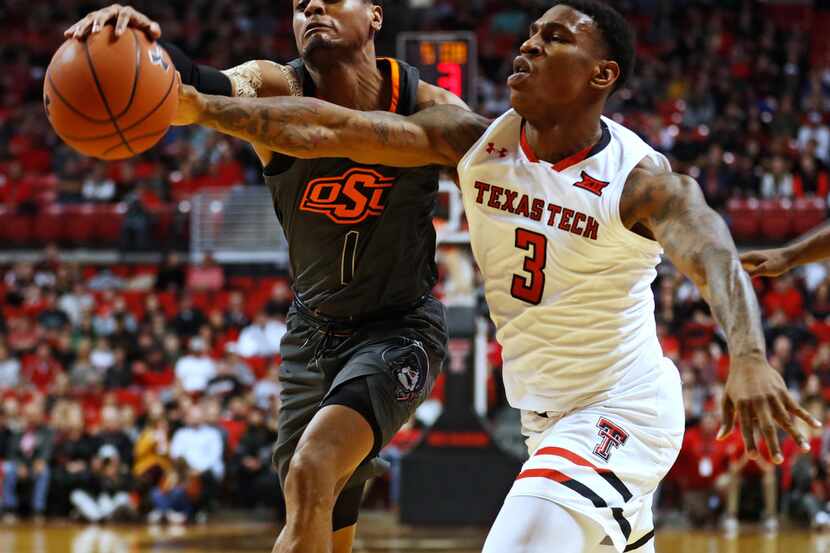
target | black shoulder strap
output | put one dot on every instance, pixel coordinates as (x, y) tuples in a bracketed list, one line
[(410, 79), (303, 78)]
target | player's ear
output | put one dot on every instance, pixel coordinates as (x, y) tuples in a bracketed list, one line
[(377, 18), (606, 74)]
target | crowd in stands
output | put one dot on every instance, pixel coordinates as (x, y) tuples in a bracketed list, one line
[(735, 93), (133, 391)]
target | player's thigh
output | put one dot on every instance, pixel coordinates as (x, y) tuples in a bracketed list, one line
[(530, 525)]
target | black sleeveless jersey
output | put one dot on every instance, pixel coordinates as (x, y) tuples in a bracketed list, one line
[(360, 237)]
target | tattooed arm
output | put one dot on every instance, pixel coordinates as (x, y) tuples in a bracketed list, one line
[(670, 208), (311, 128)]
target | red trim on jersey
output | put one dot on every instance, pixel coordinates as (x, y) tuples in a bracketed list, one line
[(569, 161)]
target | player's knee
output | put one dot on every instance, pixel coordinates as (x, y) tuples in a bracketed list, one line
[(310, 481)]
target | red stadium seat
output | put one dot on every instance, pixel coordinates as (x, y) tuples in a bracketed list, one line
[(808, 213), (16, 230), (79, 224), (777, 219), (49, 225), (109, 218), (744, 219)]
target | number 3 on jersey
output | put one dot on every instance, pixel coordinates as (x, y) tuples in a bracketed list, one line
[(530, 289)]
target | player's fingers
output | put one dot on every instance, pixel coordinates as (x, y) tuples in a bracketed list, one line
[(769, 431), (124, 17), (101, 18), (785, 421), (748, 429), (728, 422), (82, 27), (155, 30), (796, 409)]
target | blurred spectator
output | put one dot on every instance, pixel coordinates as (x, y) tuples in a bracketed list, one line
[(9, 369), (112, 433), (200, 447), (171, 276), (206, 277), (40, 369), (777, 182), (814, 130), (189, 319), (195, 370), (262, 337), (97, 186), (72, 459), (27, 464), (235, 316), (111, 486), (253, 462)]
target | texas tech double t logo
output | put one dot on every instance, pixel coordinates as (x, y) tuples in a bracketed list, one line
[(612, 437)]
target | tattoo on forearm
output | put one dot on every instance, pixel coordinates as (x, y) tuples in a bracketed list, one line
[(698, 241)]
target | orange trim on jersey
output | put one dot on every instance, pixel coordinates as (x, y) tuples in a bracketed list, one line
[(559, 166), (396, 83)]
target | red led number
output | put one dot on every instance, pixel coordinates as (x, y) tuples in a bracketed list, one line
[(531, 289)]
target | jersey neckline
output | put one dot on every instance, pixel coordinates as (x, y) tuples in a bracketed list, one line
[(572, 160)]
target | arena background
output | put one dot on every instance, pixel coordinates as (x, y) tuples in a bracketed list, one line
[(123, 282)]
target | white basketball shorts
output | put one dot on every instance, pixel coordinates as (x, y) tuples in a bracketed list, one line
[(606, 460)]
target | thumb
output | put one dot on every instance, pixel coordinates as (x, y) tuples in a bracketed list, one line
[(758, 270)]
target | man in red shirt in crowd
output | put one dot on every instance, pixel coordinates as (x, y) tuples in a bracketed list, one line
[(40, 368), (701, 468)]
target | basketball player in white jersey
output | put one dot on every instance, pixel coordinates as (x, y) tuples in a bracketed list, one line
[(569, 214)]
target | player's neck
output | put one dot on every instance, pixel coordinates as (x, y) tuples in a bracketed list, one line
[(353, 82), (556, 139)]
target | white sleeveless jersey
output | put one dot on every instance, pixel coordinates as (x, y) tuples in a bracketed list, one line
[(569, 287)]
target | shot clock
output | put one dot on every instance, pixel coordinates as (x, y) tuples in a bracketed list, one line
[(449, 60)]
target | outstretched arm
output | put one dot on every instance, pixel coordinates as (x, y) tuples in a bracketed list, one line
[(696, 239), (813, 246), (311, 128)]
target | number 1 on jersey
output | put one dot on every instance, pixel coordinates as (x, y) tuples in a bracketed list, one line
[(531, 289), (347, 263)]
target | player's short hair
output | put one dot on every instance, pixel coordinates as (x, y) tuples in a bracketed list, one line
[(617, 33)]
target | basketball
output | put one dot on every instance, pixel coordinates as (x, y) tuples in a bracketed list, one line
[(108, 97)]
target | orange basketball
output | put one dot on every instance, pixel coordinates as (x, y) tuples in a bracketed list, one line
[(111, 98)]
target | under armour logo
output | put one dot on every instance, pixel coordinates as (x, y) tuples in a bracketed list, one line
[(491, 149)]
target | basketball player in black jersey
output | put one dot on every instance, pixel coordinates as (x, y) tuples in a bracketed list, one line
[(365, 339)]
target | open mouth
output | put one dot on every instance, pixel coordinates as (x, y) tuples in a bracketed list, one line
[(521, 71)]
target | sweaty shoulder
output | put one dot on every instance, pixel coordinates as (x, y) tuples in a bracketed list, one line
[(263, 78), (430, 95)]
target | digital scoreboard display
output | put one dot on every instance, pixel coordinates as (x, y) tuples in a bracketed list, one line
[(448, 60)]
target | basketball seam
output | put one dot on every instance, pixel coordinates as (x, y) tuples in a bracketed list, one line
[(73, 108), (104, 98), (132, 126), (139, 137), (137, 75)]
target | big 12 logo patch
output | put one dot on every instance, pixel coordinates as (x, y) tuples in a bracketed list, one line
[(348, 199)]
